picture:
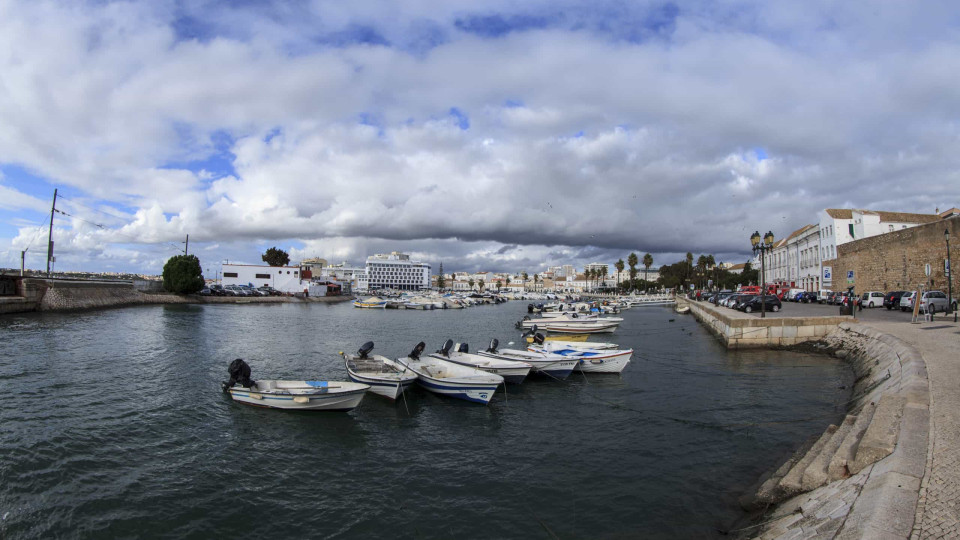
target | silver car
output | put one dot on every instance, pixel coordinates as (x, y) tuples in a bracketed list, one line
[(933, 302)]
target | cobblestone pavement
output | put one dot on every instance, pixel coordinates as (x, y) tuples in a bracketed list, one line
[(938, 508)]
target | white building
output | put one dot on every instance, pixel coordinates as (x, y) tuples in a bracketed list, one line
[(281, 278), (395, 271), (841, 225), (808, 259), (597, 267)]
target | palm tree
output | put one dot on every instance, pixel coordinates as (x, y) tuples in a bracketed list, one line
[(603, 276), (689, 265), (647, 263), (588, 275), (701, 268), (480, 284), (499, 285), (536, 279), (508, 280), (470, 282), (632, 261), (525, 277)]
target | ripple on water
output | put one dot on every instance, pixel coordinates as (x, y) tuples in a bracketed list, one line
[(114, 426)]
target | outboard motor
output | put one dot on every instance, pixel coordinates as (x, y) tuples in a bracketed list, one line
[(464, 348), (529, 308), (526, 318), (364, 349), (239, 374), (538, 338), (415, 353), (493, 346), (445, 350)]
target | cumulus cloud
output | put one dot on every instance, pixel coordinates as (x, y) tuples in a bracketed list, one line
[(488, 134)]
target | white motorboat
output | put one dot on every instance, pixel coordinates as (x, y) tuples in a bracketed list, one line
[(292, 395), (385, 377), (587, 345), (449, 379), (553, 365), (591, 360), (512, 371), (571, 319), (592, 327), (683, 309)]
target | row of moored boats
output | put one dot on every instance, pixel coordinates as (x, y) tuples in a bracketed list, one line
[(451, 371)]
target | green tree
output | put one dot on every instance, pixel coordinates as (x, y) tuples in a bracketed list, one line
[(603, 276), (647, 263), (470, 282), (588, 275), (536, 279), (441, 281), (499, 285), (182, 274), (480, 284), (276, 257), (632, 262)]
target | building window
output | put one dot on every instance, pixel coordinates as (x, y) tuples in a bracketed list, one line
[(891, 228), (850, 226), (229, 274), (263, 276)]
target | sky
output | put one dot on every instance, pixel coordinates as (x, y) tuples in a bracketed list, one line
[(484, 135)]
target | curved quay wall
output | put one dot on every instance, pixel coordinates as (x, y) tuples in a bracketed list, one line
[(39, 294), (861, 479)]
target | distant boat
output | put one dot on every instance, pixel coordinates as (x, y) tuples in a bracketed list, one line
[(371, 303), (449, 379), (292, 395), (683, 309), (385, 376)]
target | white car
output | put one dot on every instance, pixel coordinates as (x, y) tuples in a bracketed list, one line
[(871, 299), (932, 301)]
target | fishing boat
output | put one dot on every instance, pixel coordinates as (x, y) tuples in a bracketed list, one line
[(570, 319), (592, 327), (572, 344), (553, 365), (512, 371), (591, 360), (370, 303), (449, 379), (292, 395), (683, 309), (385, 377), (565, 337)]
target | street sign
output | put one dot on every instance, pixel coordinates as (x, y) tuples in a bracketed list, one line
[(849, 276), (946, 268), (926, 269), (827, 274)]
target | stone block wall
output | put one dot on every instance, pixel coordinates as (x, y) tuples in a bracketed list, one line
[(896, 260)]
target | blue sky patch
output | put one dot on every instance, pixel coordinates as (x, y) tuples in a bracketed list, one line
[(461, 119), (500, 25)]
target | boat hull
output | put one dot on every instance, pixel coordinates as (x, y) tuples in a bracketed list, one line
[(556, 367), (478, 390), (390, 389), (331, 401), (604, 365)]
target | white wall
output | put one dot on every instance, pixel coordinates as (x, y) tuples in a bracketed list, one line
[(281, 278)]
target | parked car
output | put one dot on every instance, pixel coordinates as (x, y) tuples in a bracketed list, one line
[(740, 300), (906, 300), (892, 299), (269, 291), (871, 299), (206, 292), (771, 303), (827, 298), (793, 295), (933, 302), (809, 297)]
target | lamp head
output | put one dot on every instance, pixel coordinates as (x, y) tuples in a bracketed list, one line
[(768, 239), (755, 238), (946, 234)]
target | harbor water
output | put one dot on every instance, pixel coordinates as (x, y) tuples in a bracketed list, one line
[(114, 426)]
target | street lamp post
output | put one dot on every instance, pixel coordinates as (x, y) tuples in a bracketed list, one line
[(762, 248), (946, 236)]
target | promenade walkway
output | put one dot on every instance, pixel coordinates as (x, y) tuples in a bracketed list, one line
[(938, 507)]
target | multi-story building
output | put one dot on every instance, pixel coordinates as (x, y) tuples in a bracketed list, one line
[(396, 271), (597, 266), (841, 225), (784, 261)]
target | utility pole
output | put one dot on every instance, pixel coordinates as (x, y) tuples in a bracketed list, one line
[(186, 245), (50, 238), (23, 257)]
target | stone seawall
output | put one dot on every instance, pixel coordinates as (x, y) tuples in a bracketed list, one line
[(740, 331), (860, 479), (64, 295)]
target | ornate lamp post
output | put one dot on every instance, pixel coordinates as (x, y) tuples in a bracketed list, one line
[(762, 248), (946, 236)]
